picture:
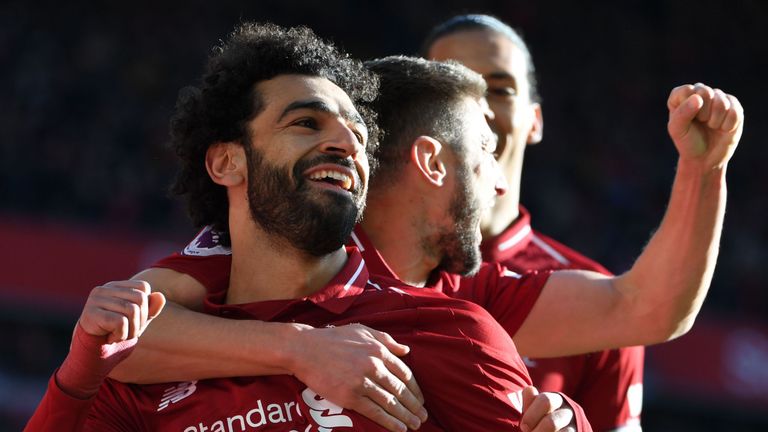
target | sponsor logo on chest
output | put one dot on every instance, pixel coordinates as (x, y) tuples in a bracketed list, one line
[(321, 414)]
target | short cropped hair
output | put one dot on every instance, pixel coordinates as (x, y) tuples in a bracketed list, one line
[(225, 100), (484, 22), (419, 97)]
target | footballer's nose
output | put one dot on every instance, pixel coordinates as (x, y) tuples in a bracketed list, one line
[(344, 142)]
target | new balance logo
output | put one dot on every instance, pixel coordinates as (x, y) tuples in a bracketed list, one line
[(177, 393)]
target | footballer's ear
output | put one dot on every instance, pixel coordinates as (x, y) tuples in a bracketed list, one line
[(537, 126), (226, 163), (427, 156)]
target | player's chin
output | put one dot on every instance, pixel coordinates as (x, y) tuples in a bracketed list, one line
[(466, 262), (329, 230), (471, 266)]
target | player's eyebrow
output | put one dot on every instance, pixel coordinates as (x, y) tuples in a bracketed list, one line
[(500, 75), (322, 106)]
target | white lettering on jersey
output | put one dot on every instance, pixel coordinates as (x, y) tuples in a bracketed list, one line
[(177, 393), (263, 414), (318, 408), (324, 416), (517, 400)]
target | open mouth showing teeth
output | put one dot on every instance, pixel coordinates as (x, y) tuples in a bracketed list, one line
[(332, 177)]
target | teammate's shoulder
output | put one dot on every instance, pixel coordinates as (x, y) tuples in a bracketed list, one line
[(419, 296), (574, 259), (497, 270), (491, 274), (386, 284)]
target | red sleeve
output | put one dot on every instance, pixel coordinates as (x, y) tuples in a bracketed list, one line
[(468, 368), (115, 410), (506, 295), (210, 270), (58, 411), (582, 425), (612, 392)]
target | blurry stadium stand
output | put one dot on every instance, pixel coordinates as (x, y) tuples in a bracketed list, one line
[(47, 273), (718, 368)]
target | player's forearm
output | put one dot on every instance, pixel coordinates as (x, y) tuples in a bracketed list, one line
[(668, 283), (656, 300), (183, 345)]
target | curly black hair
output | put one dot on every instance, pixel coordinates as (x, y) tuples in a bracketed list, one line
[(220, 106)]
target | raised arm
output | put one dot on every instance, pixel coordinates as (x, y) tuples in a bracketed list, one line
[(660, 296), (114, 317), (183, 344)]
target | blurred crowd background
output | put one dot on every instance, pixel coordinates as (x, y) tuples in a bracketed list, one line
[(87, 88)]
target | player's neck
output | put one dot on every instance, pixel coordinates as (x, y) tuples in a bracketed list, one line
[(505, 211), (398, 239), (269, 268)]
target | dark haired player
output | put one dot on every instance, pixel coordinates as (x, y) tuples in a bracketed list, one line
[(413, 224), (655, 301), (283, 147)]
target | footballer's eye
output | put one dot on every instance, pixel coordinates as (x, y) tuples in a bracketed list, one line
[(502, 91), (307, 122), (359, 136)]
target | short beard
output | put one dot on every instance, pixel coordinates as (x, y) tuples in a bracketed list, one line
[(315, 222), (459, 244)]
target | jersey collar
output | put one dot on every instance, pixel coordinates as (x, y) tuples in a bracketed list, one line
[(336, 297), (373, 259), (512, 240)]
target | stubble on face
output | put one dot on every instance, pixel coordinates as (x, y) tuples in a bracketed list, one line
[(460, 243), (287, 207)]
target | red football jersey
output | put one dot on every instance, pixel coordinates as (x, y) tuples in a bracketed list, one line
[(495, 288), (607, 384), (467, 365)]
